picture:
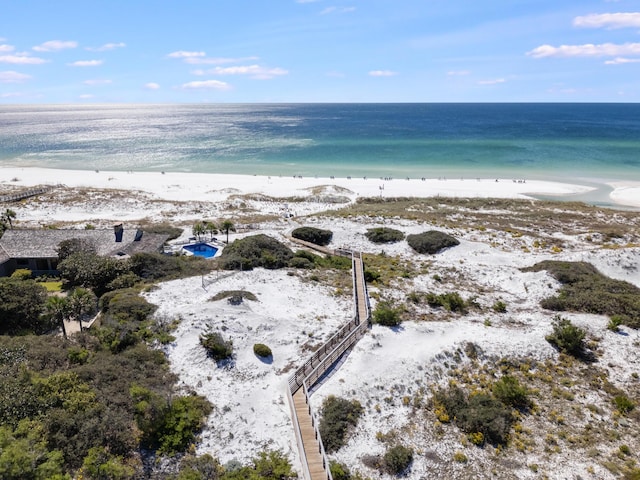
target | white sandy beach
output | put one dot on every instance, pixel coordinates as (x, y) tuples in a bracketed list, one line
[(212, 187), (293, 315)]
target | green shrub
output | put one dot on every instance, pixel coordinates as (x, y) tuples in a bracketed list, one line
[(126, 306), (499, 307), (262, 350), (450, 301), (21, 306), (615, 321), (22, 274), (585, 289), (567, 337), (397, 459), (371, 276), (300, 262), (623, 404), (384, 235), (386, 314), (313, 235), (217, 347), (337, 416), (339, 471), (509, 391), (478, 413), (255, 251), (431, 242)]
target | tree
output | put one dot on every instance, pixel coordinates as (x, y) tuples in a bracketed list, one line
[(21, 306), (8, 216), (198, 229), (57, 309), (67, 248), (210, 228), (81, 302), (226, 226)]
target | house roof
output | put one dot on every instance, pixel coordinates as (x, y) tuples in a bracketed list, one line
[(44, 243)]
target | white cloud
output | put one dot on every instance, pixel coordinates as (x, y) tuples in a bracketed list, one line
[(21, 59), (382, 73), (13, 77), (152, 86), (329, 10), (106, 47), (217, 60), (460, 73), (97, 81), (608, 20), (86, 63), (254, 71), (55, 46), (85, 96), (184, 54), (206, 85), (494, 81), (7, 48), (586, 50), (621, 61), (10, 95)]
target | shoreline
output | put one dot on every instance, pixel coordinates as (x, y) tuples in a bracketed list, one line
[(179, 186)]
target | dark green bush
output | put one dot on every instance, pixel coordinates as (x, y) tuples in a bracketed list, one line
[(300, 262), (21, 305), (567, 337), (262, 350), (337, 416), (339, 471), (386, 314), (431, 242), (623, 404), (255, 251), (509, 391), (371, 275), (479, 413), (585, 289), (314, 235), (397, 459), (217, 347), (450, 301), (126, 306), (384, 235), (92, 271)]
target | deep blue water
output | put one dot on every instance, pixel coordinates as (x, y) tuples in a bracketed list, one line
[(201, 249), (557, 141)]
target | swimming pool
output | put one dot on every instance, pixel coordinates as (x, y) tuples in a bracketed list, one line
[(201, 249)]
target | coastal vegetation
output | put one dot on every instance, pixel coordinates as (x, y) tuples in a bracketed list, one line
[(216, 346), (337, 418), (431, 242), (585, 289), (384, 235), (314, 235), (255, 251)]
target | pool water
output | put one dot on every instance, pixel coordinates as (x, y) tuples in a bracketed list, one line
[(201, 249)]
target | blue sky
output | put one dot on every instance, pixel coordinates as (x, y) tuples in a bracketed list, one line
[(192, 51)]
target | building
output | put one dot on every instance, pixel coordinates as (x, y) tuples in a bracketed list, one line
[(37, 250)]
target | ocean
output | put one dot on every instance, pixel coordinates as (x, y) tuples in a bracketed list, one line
[(586, 142)]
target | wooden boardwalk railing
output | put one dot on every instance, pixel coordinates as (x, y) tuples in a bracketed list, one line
[(313, 457), (22, 194)]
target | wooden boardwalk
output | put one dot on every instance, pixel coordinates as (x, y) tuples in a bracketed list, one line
[(314, 459)]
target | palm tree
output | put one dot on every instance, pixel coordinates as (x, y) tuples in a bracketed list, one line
[(227, 225), (198, 229), (57, 309), (210, 228), (8, 216), (81, 302)]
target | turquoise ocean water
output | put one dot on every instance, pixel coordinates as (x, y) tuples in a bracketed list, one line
[(589, 143)]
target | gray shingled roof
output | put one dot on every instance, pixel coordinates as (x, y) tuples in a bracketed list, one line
[(44, 243)]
